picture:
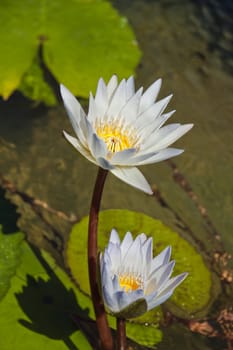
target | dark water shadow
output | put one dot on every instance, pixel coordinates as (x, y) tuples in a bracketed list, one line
[(8, 214), (50, 306), (216, 19)]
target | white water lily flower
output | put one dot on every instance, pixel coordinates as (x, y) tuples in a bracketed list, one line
[(132, 281), (123, 129)]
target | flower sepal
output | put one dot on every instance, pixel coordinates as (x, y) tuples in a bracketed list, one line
[(135, 309)]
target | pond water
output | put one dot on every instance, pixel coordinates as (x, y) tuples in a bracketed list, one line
[(189, 45)]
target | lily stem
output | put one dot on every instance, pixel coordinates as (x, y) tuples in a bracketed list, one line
[(101, 318), (121, 334)]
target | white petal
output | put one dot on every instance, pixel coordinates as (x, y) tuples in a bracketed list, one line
[(114, 237), (130, 89), (115, 256), (126, 243), (118, 101), (132, 261), (123, 157), (161, 259), (158, 157), (150, 287), (133, 177), (164, 273), (125, 299), (175, 135), (144, 158), (112, 84), (158, 300), (75, 113), (101, 98), (147, 252), (74, 142), (106, 277), (115, 283), (171, 284), (150, 95), (104, 163), (130, 158), (97, 146), (165, 136), (92, 110), (152, 112), (143, 238), (106, 258), (148, 129), (110, 300), (130, 109)]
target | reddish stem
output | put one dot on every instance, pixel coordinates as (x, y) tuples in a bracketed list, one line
[(101, 319), (121, 334)]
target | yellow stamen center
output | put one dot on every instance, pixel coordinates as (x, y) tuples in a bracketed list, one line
[(130, 283), (115, 139)]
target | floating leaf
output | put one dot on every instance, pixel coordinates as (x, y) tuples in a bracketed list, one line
[(36, 312), (9, 258), (80, 41), (143, 334), (194, 293), (18, 36)]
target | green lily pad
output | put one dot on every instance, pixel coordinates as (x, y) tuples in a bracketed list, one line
[(195, 292), (80, 41), (18, 37), (39, 305), (10, 253), (144, 334), (36, 311)]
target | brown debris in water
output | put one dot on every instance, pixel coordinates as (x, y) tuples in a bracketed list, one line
[(221, 327), (222, 260)]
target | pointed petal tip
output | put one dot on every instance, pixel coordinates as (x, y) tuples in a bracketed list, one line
[(185, 128), (189, 126), (184, 275), (178, 152), (65, 134), (169, 97), (150, 192), (114, 237), (168, 250), (114, 79), (64, 91)]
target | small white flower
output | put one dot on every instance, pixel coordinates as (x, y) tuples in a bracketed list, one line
[(132, 281), (123, 129)]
